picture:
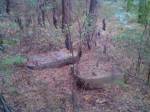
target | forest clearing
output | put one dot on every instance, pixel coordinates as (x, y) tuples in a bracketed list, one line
[(74, 55)]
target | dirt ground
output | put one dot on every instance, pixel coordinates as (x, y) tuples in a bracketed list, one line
[(50, 90)]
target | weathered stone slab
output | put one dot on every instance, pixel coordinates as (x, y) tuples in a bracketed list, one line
[(51, 60)]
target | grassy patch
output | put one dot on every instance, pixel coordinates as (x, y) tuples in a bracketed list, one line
[(10, 60), (7, 68), (10, 42), (120, 83), (6, 64), (8, 25)]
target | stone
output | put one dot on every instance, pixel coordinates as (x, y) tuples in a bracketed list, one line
[(52, 60)]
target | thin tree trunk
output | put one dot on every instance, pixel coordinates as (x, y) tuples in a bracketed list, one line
[(92, 9), (148, 75), (41, 12), (92, 21), (104, 24), (18, 20), (66, 13), (55, 21), (7, 6), (138, 63)]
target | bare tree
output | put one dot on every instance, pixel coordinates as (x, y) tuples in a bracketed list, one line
[(93, 5), (104, 24), (66, 13), (92, 18), (41, 12), (55, 21), (7, 6)]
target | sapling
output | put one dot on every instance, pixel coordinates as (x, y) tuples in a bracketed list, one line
[(104, 24)]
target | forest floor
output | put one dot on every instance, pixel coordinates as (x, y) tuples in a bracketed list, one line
[(50, 90)]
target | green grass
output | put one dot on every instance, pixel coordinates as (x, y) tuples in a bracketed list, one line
[(6, 66), (9, 25), (10, 60), (120, 83), (10, 42)]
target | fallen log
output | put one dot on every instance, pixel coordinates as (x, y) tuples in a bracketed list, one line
[(52, 60), (96, 81), (89, 76)]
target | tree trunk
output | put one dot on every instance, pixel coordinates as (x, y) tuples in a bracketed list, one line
[(93, 5), (18, 20), (104, 24), (138, 63), (7, 6), (148, 75), (92, 13), (66, 13), (66, 19), (41, 12), (92, 17), (55, 21)]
